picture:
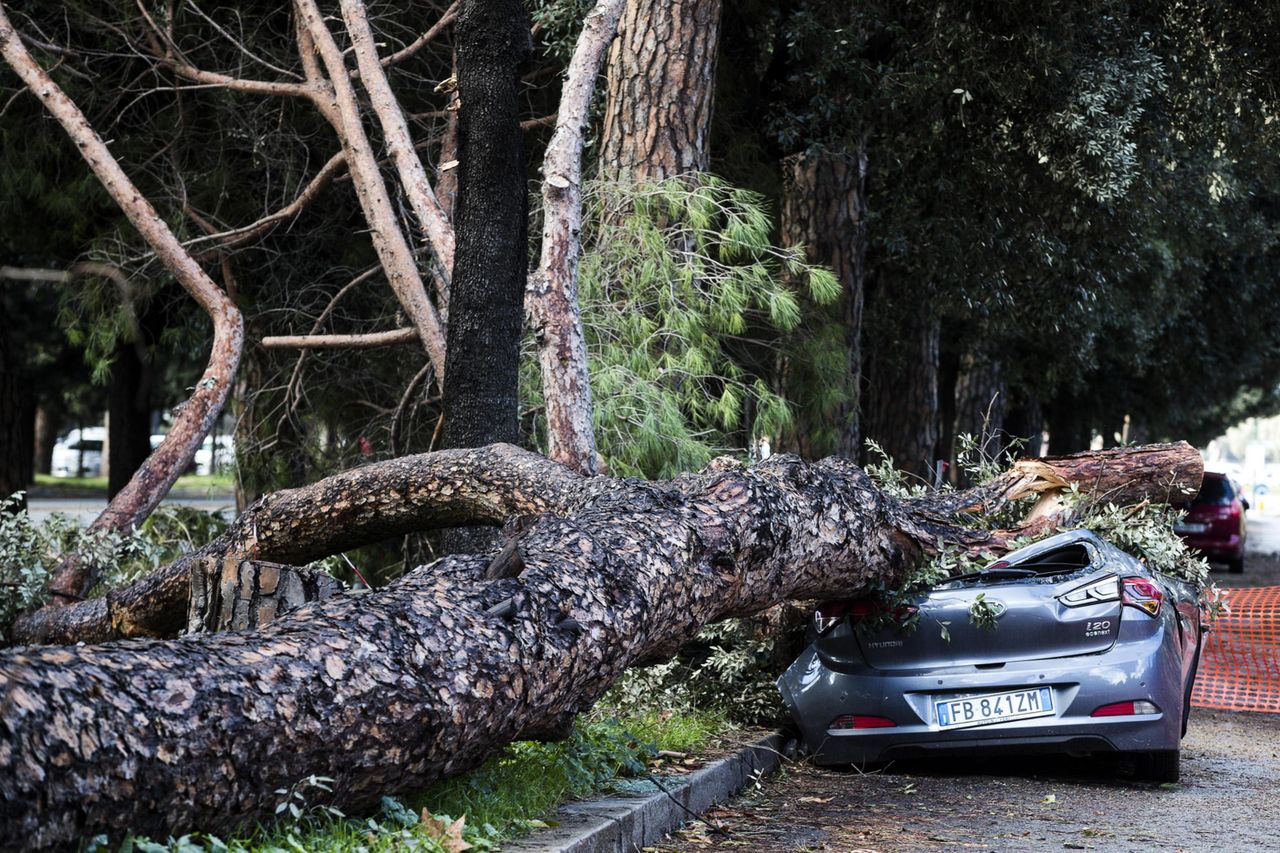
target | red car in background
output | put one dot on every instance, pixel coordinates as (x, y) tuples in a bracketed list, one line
[(1214, 523)]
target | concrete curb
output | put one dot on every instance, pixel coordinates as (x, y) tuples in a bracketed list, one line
[(624, 824)]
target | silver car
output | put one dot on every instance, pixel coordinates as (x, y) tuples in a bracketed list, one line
[(1084, 650)]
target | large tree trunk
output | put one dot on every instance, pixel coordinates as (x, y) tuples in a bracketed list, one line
[(824, 207), (901, 411), (661, 82), (486, 303), (554, 312), (388, 691)]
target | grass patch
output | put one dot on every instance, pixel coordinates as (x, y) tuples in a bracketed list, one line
[(513, 792), (51, 486)]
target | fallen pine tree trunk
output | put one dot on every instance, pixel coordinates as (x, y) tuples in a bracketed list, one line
[(388, 691)]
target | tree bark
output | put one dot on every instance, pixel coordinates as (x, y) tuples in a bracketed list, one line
[(980, 400), (902, 389), (17, 421), (425, 679), (824, 208), (47, 418), (661, 85), (480, 393), (128, 416), (554, 312), (153, 480)]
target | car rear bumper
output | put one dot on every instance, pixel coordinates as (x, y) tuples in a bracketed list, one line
[(1216, 547), (1147, 669)]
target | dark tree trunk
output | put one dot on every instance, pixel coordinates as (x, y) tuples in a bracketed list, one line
[(389, 691), (980, 394), (17, 420), (491, 265), (48, 418), (1024, 420), (824, 207), (486, 300), (661, 81), (901, 410), (128, 416), (1070, 429)]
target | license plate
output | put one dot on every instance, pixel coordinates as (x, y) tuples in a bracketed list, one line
[(994, 708), (1190, 528)]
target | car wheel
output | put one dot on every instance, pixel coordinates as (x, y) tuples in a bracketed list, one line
[(1236, 566), (1158, 766)]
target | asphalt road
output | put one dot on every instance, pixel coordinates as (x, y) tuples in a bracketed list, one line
[(1226, 801), (87, 509)]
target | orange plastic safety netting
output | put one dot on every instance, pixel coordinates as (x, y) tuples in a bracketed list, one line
[(1240, 663)]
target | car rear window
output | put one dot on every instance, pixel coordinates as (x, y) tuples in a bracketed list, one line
[(1214, 491)]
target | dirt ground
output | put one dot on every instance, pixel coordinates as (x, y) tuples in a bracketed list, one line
[(1226, 801)]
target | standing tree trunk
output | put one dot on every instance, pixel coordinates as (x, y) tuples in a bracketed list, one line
[(661, 85), (980, 400), (824, 207), (554, 312), (389, 691), (128, 416), (17, 421), (48, 417), (490, 271), (902, 394)]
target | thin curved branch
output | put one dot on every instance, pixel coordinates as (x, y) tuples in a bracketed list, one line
[(342, 108), (245, 234), (423, 40)]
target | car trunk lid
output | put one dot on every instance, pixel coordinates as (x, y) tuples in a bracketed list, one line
[(1050, 614)]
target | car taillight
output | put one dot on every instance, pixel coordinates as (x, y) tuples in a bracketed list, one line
[(1142, 594), (1107, 589), (829, 613), (861, 721), (1126, 709)]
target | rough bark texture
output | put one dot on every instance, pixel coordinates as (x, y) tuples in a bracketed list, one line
[(486, 305), (250, 593), (153, 480), (901, 412), (392, 690), (661, 74), (553, 290), (824, 207), (296, 526)]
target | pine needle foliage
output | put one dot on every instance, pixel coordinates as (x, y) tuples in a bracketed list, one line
[(684, 301)]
